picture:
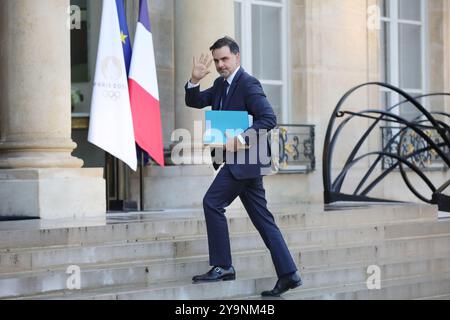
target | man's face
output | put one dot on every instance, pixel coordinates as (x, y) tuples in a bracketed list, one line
[(226, 61)]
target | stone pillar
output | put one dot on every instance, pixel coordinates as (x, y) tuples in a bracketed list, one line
[(198, 24), (38, 175)]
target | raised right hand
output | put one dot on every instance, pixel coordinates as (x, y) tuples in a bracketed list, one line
[(200, 69)]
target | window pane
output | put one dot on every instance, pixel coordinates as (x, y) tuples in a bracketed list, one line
[(409, 10), (410, 56), (81, 3), (273, 93), (266, 34), (408, 110), (238, 22), (384, 6), (385, 52)]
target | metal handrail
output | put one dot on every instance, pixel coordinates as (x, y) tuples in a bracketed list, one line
[(426, 121), (296, 149)]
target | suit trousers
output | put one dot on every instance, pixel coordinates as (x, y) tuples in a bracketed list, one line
[(223, 191)]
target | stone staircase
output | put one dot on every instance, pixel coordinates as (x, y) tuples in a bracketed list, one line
[(155, 255)]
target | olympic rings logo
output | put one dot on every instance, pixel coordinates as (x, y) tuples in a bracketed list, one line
[(111, 94)]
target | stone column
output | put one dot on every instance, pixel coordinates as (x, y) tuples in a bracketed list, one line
[(38, 175), (198, 24)]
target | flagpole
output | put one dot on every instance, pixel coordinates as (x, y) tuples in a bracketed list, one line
[(141, 180), (107, 180)]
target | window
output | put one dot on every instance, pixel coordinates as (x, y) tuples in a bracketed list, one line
[(79, 45), (403, 62), (261, 30)]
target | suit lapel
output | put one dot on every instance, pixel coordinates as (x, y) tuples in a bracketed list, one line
[(216, 105)]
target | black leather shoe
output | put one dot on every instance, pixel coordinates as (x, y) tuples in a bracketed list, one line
[(285, 283), (216, 274)]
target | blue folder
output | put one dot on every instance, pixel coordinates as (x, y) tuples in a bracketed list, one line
[(220, 122)]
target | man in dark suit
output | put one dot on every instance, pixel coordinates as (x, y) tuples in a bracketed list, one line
[(241, 176)]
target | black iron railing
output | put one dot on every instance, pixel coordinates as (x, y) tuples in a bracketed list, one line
[(431, 134)]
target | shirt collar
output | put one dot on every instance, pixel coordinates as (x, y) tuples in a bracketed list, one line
[(231, 78)]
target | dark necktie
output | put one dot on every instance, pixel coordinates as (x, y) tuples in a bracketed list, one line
[(224, 94)]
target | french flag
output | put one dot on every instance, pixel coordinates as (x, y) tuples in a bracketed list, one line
[(143, 88)]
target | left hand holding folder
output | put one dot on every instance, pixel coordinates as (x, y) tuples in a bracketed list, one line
[(233, 144)]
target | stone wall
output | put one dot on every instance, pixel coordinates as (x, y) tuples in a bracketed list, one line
[(333, 50)]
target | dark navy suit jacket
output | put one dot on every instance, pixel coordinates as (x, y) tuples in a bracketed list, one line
[(245, 94)]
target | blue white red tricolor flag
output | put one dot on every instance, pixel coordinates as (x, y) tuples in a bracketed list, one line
[(144, 93)]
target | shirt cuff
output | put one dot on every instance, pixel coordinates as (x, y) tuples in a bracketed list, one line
[(241, 140), (191, 85)]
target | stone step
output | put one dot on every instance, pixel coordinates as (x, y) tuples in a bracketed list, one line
[(433, 286), (181, 223), (305, 256), (168, 270), (396, 289), (438, 297), (38, 258), (318, 284), (320, 256)]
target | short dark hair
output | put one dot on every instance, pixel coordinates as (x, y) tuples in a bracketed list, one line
[(226, 42)]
